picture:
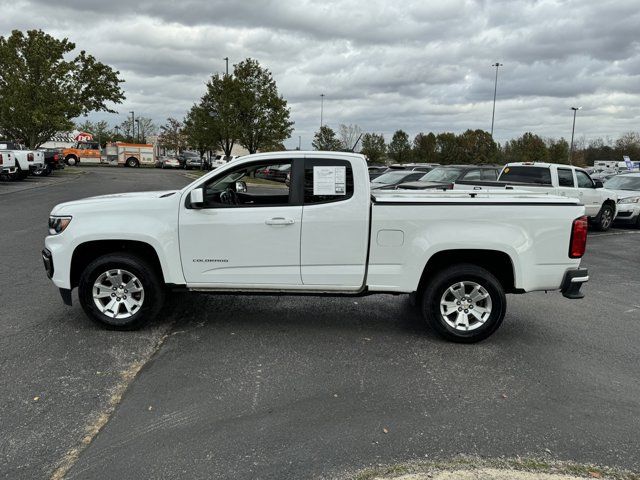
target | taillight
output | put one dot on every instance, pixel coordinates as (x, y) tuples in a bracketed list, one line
[(578, 243), (56, 157), (29, 157), (1, 161)]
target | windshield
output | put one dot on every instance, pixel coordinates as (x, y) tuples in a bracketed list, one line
[(442, 175), (623, 182), (390, 178)]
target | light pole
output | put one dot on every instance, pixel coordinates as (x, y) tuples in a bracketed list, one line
[(321, 108), (573, 129), (226, 59), (495, 91), (138, 134), (117, 129), (133, 125), (299, 142)]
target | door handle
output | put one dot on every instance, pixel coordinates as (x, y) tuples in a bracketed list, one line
[(280, 221)]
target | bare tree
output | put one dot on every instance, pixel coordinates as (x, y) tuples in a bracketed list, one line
[(349, 135)]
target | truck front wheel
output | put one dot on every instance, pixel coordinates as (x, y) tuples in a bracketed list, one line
[(132, 162), (120, 291), (464, 303), (605, 218)]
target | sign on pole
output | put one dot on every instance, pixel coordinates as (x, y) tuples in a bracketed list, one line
[(628, 162)]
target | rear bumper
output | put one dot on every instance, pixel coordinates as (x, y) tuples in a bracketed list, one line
[(573, 281)]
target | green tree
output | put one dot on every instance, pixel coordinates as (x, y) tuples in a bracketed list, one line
[(447, 148), (325, 139), (528, 148), (399, 147), (558, 150), (200, 130), (424, 148), (221, 102), (171, 136), (263, 115), (374, 147), (43, 87), (476, 147)]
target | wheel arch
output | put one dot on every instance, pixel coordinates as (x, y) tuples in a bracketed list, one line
[(88, 251), (497, 262)]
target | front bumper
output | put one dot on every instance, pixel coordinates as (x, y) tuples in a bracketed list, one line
[(47, 259), (572, 282), (628, 213)]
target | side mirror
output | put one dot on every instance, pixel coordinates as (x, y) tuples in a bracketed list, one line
[(196, 197), (241, 187), (598, 184)]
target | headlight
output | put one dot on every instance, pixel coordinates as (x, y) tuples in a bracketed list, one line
[(629, 200), (58, 224)]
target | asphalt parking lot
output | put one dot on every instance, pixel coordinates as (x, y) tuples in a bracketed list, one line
[(303, 387)]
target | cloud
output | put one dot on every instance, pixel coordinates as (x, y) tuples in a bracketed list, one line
[(383, 65)]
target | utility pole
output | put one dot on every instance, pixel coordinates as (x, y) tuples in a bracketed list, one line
[(495, 91), (321, 108), (226, 59), (299, 142), (133, 125), (573, 129), (138, 134)]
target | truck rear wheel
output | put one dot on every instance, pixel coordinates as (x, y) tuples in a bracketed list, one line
[(120, 291), (132, 162), (464, 303)]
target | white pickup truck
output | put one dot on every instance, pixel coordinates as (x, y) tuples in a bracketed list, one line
[(321, 232), (7, 164), (556, 179), (27, 161)]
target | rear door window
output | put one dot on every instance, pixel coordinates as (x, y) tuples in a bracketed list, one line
[(565, 177), (472, 175), (327, 181), (526, 174)]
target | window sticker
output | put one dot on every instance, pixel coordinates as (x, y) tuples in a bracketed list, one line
[(329, 180)]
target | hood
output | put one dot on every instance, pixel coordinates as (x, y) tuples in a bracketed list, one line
[(112, 199), (625, 193)]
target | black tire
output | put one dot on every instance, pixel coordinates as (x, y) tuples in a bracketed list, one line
[(154, 291), (605, 218), (20, 173), (71, 160), (450, 277), (132, 162)]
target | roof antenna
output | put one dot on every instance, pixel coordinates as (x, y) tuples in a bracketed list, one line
[(353, 149)]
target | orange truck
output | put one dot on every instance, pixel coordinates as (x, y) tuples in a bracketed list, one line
[(82, 151)]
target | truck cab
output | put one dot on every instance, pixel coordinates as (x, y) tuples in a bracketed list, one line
[(82, 151)]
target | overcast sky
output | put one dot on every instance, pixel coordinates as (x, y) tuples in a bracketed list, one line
[(416, 65)]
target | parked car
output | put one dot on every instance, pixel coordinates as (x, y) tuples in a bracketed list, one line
[(393, 178), (418, 167), (277, 173), (457, 253), (194, 157), (627, 187), (168, 162), (567, 181), (53, 160), (446, 176), (376, 170)]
